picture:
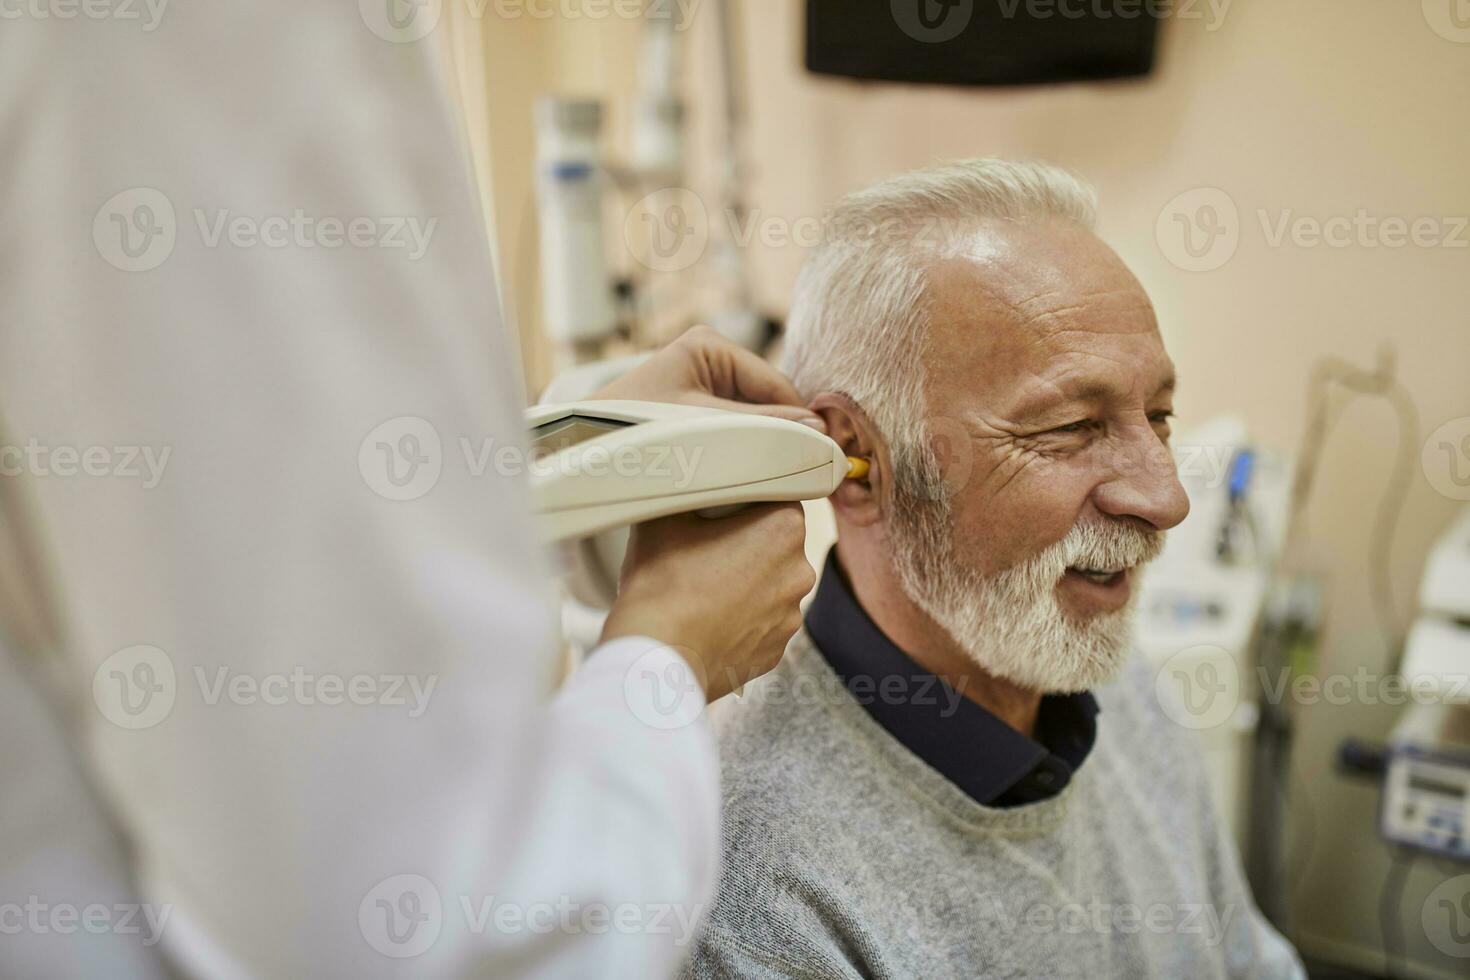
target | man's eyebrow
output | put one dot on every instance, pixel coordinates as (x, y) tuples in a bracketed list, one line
[(1063, 392)]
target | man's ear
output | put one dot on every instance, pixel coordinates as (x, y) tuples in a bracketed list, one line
[(857, 502)]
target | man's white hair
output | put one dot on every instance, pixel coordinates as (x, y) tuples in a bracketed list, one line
[(858, 323)]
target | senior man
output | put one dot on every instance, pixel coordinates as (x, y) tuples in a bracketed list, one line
[(954, 773)]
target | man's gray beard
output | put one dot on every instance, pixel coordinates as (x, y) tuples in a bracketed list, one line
[(1010, 623)]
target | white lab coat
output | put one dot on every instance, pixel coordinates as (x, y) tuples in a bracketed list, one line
[(302, 838)]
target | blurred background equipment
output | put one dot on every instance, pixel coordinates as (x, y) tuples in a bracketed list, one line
[(1201, 603), (587, 309), (577, 296), (1426, 790)]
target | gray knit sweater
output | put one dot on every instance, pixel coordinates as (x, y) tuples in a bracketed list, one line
[(847, 856)]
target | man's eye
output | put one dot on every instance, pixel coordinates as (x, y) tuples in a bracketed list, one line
[(1160, 418), (1072, 427)]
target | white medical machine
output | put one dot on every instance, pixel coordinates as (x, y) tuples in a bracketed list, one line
[(1201, 603), (673, 258), (1426, 788), (599, 465)]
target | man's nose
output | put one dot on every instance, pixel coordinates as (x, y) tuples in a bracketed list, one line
[(1144, 486)]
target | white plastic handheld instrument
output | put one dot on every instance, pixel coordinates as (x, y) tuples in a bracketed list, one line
[(598, 465)]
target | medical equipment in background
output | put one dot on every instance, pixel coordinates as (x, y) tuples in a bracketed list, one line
[(1426, 786), (1290, 651), (587, 308), (1202, 603), (611, 464), (1424, 767), (576, 296)]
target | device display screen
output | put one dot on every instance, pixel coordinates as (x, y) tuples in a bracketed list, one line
[(556, 436), (1426, 785)]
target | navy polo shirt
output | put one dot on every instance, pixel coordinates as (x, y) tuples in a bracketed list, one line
[(982, 755)]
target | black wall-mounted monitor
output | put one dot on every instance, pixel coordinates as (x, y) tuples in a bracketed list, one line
[(982, 42)]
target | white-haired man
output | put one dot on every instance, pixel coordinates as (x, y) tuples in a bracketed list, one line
[(940, 779)]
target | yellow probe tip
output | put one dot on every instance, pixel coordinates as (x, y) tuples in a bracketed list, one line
[(857, 468)]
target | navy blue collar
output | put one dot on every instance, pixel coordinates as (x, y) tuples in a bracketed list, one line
[(982, 755)]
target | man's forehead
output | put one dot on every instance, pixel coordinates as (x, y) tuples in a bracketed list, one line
[(1051, 304)]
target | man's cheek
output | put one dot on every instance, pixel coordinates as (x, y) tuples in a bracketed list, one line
[(1032, 512)]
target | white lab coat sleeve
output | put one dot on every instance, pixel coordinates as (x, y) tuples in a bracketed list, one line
[(254, 384)]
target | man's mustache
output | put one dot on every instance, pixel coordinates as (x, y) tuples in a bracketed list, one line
[(1103, 544)]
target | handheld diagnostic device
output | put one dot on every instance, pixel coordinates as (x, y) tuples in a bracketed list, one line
[(599, 465)]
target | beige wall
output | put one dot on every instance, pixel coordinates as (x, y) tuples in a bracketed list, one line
[(1318, 106)]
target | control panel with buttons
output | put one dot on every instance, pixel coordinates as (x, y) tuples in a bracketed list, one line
[(1426, 802)]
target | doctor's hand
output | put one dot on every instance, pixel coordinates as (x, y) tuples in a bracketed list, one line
[(723, 592), (705, 368)]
